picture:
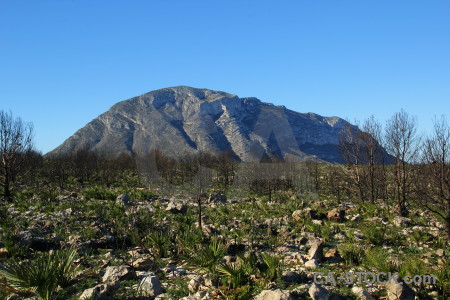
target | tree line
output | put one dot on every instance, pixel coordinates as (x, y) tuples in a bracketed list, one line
[(390, 163)]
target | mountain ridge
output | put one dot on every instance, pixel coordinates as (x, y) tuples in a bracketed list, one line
[(180, 120)]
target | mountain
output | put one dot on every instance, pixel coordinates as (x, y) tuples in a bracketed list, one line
[(180, 120)]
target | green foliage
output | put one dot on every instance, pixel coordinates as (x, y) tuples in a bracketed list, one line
[(207, 256), (99, 192), (442, 274), (329, 229), (351, 253), (11, 243), (139, 194), (178, 290), (160, 242), (235, 273), (273, 266), (381, 260), (42, 275), (420, 236), (374, 233)]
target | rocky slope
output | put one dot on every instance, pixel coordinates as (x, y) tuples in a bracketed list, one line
[(182, 120)]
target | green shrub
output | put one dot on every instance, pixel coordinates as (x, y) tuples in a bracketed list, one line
[(351, 253), (381, 260), (99, 192), (42, 275), (234, 273), (207, 256), (443, 278), (273, 266), (159, 242), (374, 233)]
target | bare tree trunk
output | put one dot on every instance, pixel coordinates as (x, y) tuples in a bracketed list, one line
[(402, 142)]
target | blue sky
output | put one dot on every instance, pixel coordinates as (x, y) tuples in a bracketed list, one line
[(62, 63)]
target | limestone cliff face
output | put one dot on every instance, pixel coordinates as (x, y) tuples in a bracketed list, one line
[(182, 120)]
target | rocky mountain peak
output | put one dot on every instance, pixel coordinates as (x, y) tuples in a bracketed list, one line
[(180, 120)]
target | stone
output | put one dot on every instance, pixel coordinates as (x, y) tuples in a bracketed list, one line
[(317, 292), (118, 273), (195, 283), (177, 207), (440, 252), (100, 291), (292, 277), (336, 215), (377, 220), (312, 263), (316, 250), (123, 199), (317, 222), (361, 294), (200, 295), (150, 286), (297, 215), (397, 289), (311, 213), (142, 264), (333, 256), (3, 252), (274, 295), (339, 236), (401, 221), (356, 218)]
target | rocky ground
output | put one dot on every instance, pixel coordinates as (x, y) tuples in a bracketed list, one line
[(245, 249)]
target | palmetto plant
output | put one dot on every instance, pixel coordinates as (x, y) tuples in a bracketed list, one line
[(208, 256), (160, 242), (42, 275), (381, 260), (234, 272), (273, 266), (351, 253)]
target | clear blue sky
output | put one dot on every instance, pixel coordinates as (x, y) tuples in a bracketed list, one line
[(62, 63)]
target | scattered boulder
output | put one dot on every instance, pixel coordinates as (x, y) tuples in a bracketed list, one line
[(312, 263), (118, 273), (142, 264), (317, 292), (336, 215), (333, 256), (292, 277), (378, 220), (123, 199), (177, 208), (440, 252), (356, 218), (150, 286), (361, 293), (195, 283), (339, 236), (274, 295), (101, 291), (311, 213), (316, 250), (317, 222), (397, 289), (200, 295), (297, 215), (401, 221)]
